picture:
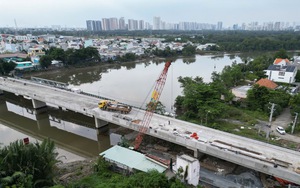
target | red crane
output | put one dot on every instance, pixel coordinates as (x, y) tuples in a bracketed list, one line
[(160, 83)]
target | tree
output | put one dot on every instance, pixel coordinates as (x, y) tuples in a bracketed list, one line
[(147, 180), (257, 97), (34, 41), (231, 75), (199, 99), (45, 61), (298, 76), (295, 103), (57, 53), (188, 50), (159, 107), (281, 54), (7, 67), (34, 160)]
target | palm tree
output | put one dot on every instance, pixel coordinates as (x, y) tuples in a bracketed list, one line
[(34, 159)]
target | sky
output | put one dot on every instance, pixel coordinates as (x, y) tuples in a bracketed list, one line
[(74, 13)]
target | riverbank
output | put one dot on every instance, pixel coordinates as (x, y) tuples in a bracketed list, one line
[(56, 70), (71, 172)]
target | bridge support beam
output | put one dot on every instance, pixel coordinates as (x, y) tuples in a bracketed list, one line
[(198, 154), (38, 104), (100, 123)]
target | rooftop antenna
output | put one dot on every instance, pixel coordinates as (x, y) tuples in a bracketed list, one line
[(16, 29)]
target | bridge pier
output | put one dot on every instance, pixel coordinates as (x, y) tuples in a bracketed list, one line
[(100, 123), (198, 154), (38, 104)]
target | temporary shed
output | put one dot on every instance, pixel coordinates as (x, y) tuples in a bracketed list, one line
[(131, 160)]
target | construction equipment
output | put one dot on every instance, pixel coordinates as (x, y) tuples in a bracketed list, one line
[(114, 106), (160, 83)]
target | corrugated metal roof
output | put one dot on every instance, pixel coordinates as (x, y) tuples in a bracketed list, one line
[(131, 159)]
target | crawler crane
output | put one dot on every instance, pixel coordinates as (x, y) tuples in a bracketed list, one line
[(160, 83)]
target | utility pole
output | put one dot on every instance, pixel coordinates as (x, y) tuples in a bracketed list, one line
[(270, 120), (295, 121)]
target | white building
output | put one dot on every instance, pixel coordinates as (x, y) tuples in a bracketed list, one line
[(282, 62), (156, 23), (279, 73), (192, 166)]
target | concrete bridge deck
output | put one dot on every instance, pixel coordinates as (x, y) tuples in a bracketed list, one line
[(260, 156)]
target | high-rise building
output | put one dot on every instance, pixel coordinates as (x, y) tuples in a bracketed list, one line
[(219, 25), (235, 27), (98, 25), (89, 25), (141, 25), (113, 24), (277, 26), (105, 24), (135, 25), (130, 24), (147, 26), (93, 25), (122, 25), (156, 23)]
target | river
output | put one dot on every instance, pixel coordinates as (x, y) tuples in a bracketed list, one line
[(132, 83), (73, 133)]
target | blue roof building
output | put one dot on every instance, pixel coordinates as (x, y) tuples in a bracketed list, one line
[(131, 160)]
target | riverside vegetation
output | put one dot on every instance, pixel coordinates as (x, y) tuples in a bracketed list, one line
[(35, 165)]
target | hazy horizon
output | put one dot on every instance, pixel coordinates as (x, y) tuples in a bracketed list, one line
[(70, 13)]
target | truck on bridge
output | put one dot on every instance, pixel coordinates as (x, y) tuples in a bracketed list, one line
[(114, 106)]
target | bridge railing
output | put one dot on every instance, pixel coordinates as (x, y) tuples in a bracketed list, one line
[(63, 86), (105, 98)]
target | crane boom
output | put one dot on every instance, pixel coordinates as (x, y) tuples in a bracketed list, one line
[(160, 83)]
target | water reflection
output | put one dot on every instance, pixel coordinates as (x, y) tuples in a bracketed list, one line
[(25, 112), (69, 130), (132, 82), (189, 60), (73, 128)]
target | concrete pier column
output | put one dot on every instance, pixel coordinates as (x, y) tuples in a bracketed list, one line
[(1, 92), (196, 153), (100, 123), (38, 104)]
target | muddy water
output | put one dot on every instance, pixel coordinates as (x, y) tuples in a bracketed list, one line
[(130, 83), (73, 133)]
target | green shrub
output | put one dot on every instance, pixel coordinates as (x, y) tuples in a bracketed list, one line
[(32, 163)]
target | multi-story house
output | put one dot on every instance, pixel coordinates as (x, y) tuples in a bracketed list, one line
[(281, 73)]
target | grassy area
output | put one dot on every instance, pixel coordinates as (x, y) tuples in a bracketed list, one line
[(296, 129), (246, 116), (104, 175)]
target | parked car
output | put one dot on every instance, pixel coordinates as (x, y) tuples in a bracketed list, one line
[(280, 130)]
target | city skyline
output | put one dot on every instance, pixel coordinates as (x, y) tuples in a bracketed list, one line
[(32, 13)]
